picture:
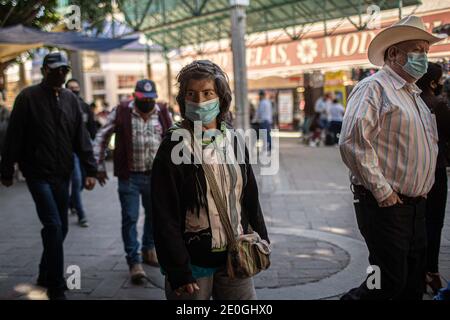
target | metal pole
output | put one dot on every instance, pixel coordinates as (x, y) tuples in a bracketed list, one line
[(76, 62), (400, 5), (238, 27), (149, 65), (169, 77)]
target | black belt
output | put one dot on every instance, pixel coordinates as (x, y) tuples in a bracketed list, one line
[(361, 191)]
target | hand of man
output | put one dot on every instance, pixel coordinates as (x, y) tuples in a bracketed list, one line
[(102, 177), (7, 182), (89, 183), (189, 288), (392, 200)]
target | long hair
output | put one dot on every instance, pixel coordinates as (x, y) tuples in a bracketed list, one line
[(200, 70)]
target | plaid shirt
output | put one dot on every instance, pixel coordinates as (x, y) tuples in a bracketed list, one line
[(146, 138)]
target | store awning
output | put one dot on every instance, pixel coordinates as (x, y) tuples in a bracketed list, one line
[(17, 39), (177, 23)]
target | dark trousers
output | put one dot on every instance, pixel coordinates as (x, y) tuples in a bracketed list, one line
[(335, 129), (396, 239), (436, 202), (51, 200), (75, 201)]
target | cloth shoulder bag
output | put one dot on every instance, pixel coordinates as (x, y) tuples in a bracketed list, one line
[(248, 254)]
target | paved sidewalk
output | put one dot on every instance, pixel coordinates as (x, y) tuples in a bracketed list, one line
[(318, 252)]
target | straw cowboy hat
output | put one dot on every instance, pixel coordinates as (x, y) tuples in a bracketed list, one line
[(409, 28)]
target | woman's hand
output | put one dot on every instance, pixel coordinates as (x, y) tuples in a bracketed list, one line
[(189, 288)]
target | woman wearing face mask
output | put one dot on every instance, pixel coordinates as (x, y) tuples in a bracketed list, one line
[(431, 87), (190, 239)]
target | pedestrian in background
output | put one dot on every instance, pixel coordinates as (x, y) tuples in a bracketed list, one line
[(431, 87), (45, 130), (265, 117), (139, 126), (75, 201), (335, 113)]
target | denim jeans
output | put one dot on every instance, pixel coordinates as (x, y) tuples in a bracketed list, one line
[(130, 192), (267, 126), (51, 200), (77, 186)]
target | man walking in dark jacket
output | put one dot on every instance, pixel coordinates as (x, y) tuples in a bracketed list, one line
[(44, 131)]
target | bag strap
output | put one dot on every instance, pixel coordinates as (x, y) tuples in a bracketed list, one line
[(220, 201)]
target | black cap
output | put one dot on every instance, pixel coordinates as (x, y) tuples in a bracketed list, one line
[(55, 60), (145, 89)]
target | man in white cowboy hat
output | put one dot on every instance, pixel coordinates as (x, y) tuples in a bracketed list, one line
[(389, 143)]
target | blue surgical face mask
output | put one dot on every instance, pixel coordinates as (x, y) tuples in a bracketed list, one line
[(417, 64), (205, 112)]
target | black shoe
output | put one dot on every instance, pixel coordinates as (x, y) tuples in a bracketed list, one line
[(43, 283), (56, 294)]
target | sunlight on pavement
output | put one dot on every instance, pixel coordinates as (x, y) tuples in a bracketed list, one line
[(335, 230), (31, 292)]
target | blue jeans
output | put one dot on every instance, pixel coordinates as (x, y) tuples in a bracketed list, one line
[(51, 200), (77, 186), (267, 126), (129, 195)]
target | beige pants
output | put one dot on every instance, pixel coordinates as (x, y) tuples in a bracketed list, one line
[(219, 287)]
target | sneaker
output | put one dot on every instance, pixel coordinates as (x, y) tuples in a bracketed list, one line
[(83, 223), (149, 257), (137, 273), (73, 211)]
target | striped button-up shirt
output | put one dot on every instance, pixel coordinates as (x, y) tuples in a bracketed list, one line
[(389, 137)]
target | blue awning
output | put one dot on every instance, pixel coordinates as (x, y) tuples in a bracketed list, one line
[(17, 39)]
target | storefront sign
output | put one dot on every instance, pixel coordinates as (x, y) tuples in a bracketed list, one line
[(310, 53)]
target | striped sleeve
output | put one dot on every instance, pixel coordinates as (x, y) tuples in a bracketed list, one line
[(102, 140), (360, 127)]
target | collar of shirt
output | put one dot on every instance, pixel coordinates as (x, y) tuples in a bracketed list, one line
[(399, 82)]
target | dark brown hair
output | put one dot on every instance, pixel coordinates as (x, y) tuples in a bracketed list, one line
[(205, 69)]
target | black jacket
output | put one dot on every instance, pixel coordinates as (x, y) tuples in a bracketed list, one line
[(442, 112), (88, 118), (173, 189), (44, 131)]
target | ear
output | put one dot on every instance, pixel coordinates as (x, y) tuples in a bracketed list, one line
[(433, 84), (392, 52)]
